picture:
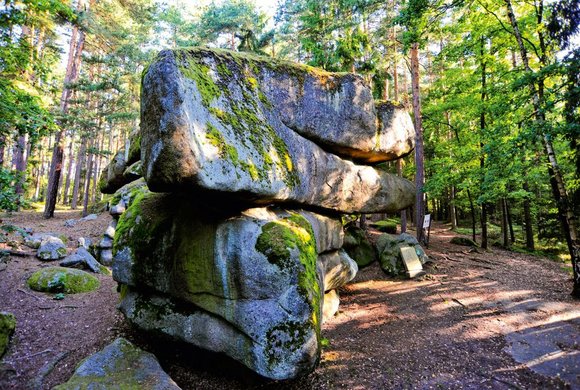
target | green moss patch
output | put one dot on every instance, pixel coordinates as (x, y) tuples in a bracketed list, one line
[(63, 280)]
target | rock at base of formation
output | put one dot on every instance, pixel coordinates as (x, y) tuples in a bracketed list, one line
[(259, 129), (120, 365), (249, 284)]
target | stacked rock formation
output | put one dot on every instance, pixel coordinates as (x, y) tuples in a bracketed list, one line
[(252, 160)]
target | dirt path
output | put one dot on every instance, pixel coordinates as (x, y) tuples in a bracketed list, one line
[(477, 320)]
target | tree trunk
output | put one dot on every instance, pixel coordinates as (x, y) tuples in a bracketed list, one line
[(528, 220), (504, 224), (88, 184), (472, 209), (419, 153), (452, 211), (68, 173), (482, 124), (509, 221), (78, 171), (565, 212), (19, 158)]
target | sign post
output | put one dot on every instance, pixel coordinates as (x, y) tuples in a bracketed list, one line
[(427, 225)]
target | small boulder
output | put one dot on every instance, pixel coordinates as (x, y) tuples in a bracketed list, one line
[(84, 242), (90, 217), (106, 257), (7, 326), (33, 240), (70, 222), (81, 258), (51, 248), (106, 242), (358, 246), (63, 280), (464, 241), (120, 365)]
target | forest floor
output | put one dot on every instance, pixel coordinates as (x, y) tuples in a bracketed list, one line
[(496, 319)]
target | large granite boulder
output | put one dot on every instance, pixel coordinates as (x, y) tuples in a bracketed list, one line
[(120, 365), (253, 276), (259, 129)]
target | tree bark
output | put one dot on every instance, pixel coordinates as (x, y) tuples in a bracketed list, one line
[(88, 184), (565, 212), (78, 171), (472, 209), (419, 152), (65, 199), (528, 220)]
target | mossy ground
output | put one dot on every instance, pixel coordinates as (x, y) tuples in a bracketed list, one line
[(62, 280)]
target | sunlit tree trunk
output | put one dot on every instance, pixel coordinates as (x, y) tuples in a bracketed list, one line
[(419, 153)]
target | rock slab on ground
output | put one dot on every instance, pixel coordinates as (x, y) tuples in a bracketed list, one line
[(81, 258), (120, 365)]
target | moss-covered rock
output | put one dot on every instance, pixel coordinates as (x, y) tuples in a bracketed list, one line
[(256, 272), (358, 246), (464, 241), (386, 226), (51, 248), (120, 365), (389, 248), (7, 326), (62, 280)]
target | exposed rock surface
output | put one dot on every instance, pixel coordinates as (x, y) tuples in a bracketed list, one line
[(51, 248), (464, 241), (7, 326), (120, 365), (62, 280), (207, 122), (33, 240)]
